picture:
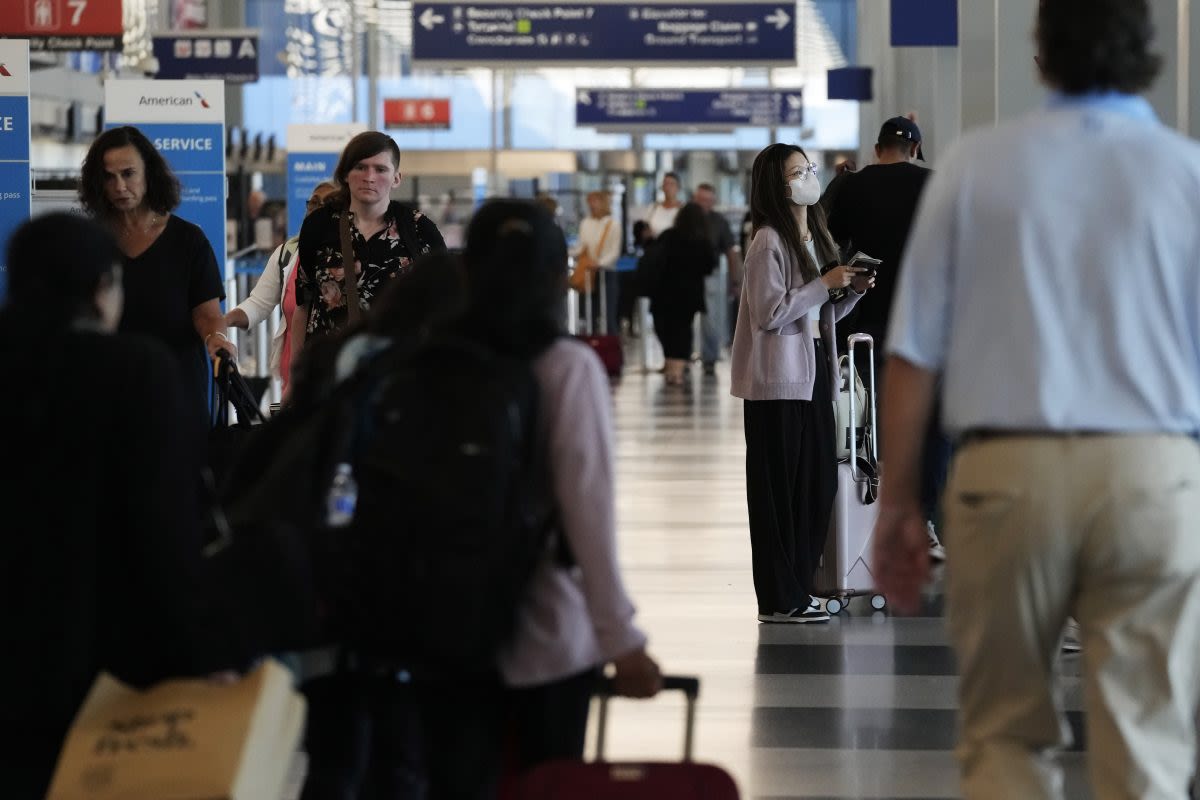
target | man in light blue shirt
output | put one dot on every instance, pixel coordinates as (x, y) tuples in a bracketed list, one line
[(1053, 282)]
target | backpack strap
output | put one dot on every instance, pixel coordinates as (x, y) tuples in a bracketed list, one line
[(406, 226), (349, 277)]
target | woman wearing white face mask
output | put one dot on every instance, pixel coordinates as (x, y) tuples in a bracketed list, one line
[(783, 365)]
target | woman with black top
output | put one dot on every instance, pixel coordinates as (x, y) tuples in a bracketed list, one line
[(101, 558), (387, 236), (173, 286), (686, 256)]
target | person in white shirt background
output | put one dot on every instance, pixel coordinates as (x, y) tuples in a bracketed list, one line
[(662, 214), (272, 290), (600, 236)]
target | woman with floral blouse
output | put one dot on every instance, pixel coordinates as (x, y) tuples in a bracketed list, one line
[(387, 235)]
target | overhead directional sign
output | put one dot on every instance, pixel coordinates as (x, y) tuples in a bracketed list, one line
[(230, 56), (605, 33), (686, 109)]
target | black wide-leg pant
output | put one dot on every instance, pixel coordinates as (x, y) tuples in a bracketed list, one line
[(791, 483)]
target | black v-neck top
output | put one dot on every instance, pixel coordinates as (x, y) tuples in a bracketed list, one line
[(177, 273)]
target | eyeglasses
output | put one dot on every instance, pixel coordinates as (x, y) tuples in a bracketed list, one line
[(803, 173)]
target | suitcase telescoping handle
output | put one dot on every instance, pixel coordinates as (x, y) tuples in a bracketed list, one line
[(671, 683), (598, 275), (852, 342)]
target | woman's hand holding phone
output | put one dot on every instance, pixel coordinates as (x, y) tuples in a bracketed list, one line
[(841, 277)]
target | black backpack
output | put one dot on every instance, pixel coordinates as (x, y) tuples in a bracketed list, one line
[(454, 509)]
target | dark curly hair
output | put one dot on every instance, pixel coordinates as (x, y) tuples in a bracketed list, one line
[(162, 187), (1097, 45)]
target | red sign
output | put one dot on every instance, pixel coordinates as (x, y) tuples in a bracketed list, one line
[(63, 24), (432, 112)]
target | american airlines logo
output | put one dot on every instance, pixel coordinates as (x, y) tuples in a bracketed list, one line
[(166, 101), (4, 71), (174, 101)]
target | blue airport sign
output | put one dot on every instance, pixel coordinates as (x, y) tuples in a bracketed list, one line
[(604, 34), (15, 183), (678, 109), (231, 56)]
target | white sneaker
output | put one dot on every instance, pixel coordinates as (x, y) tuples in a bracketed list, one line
[(936, 551), (814, 613), (1070, 641)]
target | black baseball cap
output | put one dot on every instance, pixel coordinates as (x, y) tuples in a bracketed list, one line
[(902, 128)]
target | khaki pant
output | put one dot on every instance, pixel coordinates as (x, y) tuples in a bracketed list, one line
[(1102, 528)]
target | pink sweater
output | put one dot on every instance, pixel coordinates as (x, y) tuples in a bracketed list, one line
[(582, 617), (773, 354)]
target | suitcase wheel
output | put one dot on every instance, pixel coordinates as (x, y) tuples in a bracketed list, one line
[(834, 605), (878, 602)]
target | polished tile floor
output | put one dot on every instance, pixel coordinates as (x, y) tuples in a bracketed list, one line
[(863, 707)]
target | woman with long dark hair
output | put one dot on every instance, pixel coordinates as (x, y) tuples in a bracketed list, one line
[(576, 616), (783, 365), (685, 256)]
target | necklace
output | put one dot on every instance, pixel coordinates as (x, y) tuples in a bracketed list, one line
[(130, 230)]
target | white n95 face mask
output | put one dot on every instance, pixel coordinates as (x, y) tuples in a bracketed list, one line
[(805, 191)]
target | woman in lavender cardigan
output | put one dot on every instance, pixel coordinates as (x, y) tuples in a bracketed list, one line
[(783, 365)]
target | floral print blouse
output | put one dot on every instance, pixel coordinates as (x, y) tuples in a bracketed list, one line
[(320, 277)]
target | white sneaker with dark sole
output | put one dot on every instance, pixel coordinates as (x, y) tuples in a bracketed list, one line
[(814, 613)]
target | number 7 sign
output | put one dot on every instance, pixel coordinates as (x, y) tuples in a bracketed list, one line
[(63, 24)]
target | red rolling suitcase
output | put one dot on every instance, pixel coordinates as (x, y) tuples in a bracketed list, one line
[(604, 780), (606, 345)]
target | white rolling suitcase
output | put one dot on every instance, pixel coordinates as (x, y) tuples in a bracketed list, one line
[(846, 570)]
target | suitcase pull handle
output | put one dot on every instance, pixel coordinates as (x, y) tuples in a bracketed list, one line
[(690, 687), (851, 342)]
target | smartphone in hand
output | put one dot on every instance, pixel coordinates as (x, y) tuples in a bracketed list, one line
[(870, 266)]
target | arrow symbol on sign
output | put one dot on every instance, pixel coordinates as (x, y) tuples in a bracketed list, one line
[(795, 102), (430, 19), (779, 19), (585, 98)]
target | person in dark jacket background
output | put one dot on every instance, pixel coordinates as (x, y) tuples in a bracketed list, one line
[(101, 550), (686, 256)]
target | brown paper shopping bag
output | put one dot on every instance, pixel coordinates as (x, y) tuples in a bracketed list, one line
[(183, 740)]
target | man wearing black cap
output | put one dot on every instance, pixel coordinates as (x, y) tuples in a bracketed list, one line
[(872, 211)]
